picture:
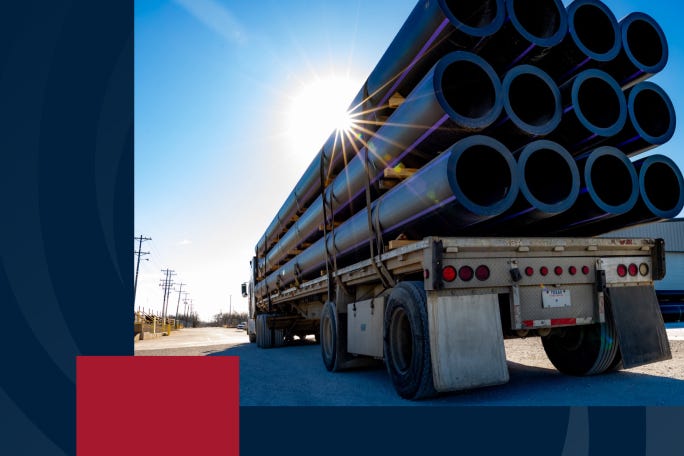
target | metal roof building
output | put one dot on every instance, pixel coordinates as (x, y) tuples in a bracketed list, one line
[(672, 231)]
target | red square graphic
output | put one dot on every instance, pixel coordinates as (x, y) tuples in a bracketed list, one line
[(175, 405)]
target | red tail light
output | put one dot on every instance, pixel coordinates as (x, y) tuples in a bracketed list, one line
[(572, 270), (482, 272), (465, 273), (543, 270), (585, 270), (621, 270), (558, 270), (529, 271), (633, 270), (449, 273)]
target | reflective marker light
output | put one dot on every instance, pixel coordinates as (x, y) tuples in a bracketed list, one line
[(621, 270), (643, 269), (449, 273), (482, 272), (543, 270), (632, 269), (585, 270), (466, 273), (558, 270), (572, 270), (529, 271)]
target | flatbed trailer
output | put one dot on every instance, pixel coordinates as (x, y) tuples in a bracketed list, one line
[(437, 310)]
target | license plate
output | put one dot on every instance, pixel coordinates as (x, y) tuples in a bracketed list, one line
[(552, 297)]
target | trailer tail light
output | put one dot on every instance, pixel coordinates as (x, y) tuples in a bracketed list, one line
[(632, 269), (572, 270), (544, 270), (644, 269), (558, 270), (466, 273), (482, 272), (585, 270), (449, 273), (529, 271), (621, 270)]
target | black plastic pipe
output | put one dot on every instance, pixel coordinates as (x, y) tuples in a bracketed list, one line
[(549, 185), (593, 39), (650, 122), (595, 110), (609, 188), (433, 29), (460, 95), (472, 181), (661, 197), (531, 29), (531, 104), (644, 50)]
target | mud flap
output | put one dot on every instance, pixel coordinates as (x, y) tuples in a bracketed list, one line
[(639, 323), (466, 341)]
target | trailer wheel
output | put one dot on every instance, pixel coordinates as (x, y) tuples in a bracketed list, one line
[(407, 342), (328, 336), (584, 350), (267, 337)]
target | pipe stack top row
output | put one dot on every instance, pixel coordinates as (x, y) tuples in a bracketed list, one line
[(520, 118)]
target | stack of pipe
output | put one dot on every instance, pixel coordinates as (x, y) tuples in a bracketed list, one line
[(517, 118)]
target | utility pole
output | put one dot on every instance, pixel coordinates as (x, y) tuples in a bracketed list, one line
[(137, 267), (166, 285), (180, 287), (185, 303), (192, 317)]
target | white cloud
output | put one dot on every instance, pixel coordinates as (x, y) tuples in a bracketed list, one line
[(217, 17), (185, 242)]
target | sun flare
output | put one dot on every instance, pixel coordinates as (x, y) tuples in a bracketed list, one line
[(317, 110)]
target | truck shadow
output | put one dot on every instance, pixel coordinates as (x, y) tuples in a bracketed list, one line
[(295, 376)]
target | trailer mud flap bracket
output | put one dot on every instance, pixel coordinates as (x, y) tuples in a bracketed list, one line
[(466, 341), (639, 323)]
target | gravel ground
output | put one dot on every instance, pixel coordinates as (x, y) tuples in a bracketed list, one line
[(531, 353)]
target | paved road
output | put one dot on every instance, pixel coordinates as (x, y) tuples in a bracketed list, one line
[(192, 338), (295, 376)]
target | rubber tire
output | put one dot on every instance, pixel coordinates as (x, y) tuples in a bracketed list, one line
[(265, 337), (252, 338), (407, 343), (328, 336), (584, 350)]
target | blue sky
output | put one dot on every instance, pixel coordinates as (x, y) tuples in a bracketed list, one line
[(220, 138)]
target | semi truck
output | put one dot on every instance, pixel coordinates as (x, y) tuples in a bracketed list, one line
[(491, 145)]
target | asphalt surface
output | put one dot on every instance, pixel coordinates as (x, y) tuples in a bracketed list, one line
[(295, 376)]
